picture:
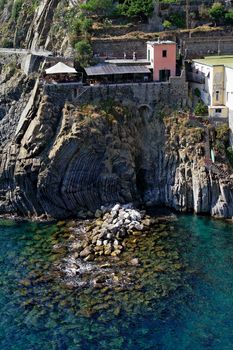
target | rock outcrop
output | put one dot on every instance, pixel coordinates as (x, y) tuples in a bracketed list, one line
[(39, 29), (65, 160)]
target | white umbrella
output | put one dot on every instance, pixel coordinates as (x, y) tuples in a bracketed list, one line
[(60, 68)]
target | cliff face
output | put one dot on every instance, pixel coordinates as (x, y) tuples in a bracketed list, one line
[(30, 24), (68, 160)]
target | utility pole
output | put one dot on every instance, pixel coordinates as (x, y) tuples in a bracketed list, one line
[(187, 13)]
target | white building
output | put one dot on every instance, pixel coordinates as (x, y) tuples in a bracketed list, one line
[(213, 76)]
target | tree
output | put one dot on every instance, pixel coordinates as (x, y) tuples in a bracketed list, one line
[(136, 8), (217, 12), (84, 52), (99, 7), (229, 17)]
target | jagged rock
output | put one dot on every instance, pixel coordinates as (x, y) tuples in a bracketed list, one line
[(85, 252), (98, 213), (56, 161), (134, 262)]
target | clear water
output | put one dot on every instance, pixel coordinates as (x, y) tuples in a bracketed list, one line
[(38, 314)]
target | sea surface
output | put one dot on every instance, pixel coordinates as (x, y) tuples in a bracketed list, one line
[(37, 312)]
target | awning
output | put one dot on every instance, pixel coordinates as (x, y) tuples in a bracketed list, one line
[(110, 69), (60, 68)]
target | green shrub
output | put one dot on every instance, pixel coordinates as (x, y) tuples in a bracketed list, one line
[(177, 20), (197, 92), (99, 7), (136, 8), (229, 154), (2, 3), (219, 146), (229, 17), (86, 25), (222, 132), (217, 12), (201, 109), (84, 52), (167, 24)]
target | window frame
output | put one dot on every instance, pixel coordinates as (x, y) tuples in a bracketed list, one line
[(164, 53)]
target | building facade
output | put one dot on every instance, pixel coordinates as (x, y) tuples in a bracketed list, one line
[(213, 76), (162, 58), (159, 66)]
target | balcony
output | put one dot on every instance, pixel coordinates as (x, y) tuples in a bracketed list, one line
[(196, 78)]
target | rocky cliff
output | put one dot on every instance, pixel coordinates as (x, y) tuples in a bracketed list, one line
[(34, 24), (67, 160)]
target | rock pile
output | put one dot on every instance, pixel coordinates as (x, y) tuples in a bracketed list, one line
[(105, 236)]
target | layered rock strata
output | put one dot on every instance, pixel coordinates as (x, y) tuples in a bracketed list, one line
[(64, 160)]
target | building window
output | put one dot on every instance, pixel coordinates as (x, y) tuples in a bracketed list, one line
[(164, 53), (217, 95), (218, 110), (148, 55)]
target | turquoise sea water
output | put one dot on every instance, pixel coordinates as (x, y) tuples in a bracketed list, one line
[(36, 313)]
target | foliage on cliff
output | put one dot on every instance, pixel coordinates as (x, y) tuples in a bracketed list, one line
[(59, 24)]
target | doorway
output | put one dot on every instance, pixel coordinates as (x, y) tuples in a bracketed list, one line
[(164, 74)]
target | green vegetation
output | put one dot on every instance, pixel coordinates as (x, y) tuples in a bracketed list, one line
[(201, 109), (222, 132), (99, 7), (217, 13), (16, 9), (136, 8), (229, 17), (177, 20), (229, 153), (197, 92), (83, 52), (2, 3), (167, 24), (81, 25), (221, 142), (128, 8)]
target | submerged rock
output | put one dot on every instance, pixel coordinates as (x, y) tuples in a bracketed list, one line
[(106, 234)]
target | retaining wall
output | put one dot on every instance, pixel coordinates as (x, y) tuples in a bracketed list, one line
[(199, 47), (173, 93), (116, 48)]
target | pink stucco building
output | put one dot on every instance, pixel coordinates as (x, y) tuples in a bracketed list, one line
[(162, 56)]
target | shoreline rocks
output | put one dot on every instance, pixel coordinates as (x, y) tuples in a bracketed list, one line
[(122, 255), (106, 234)]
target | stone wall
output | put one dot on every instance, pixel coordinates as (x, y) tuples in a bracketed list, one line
[(116, 48), (179, 6), (197, 47), (6, 58), (173, 93), (195, 44)]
